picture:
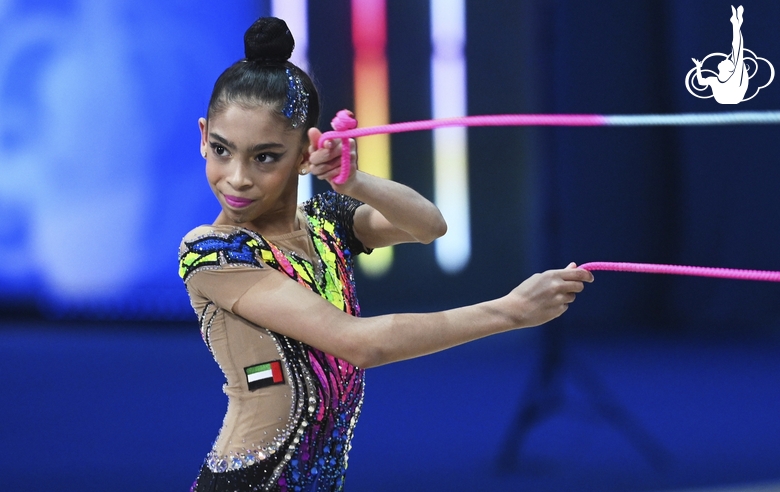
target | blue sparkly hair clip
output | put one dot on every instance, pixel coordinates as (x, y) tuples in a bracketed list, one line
[(296, 109)]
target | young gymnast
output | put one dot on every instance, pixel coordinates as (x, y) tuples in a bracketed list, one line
[(272, 281)]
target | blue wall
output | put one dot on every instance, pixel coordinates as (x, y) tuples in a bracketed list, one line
[(99, 144)]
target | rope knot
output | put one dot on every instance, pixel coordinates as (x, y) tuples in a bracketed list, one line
[(343, 121)]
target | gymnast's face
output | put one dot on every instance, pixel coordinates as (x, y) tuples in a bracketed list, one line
[(253, 158)]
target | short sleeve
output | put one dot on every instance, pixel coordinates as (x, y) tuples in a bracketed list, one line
[(339, 209), (219, 264), (225, 286)]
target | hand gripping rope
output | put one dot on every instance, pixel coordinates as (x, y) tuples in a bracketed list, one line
[(346, 127)]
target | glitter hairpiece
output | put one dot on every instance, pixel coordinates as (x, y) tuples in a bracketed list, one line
[(297, 106)]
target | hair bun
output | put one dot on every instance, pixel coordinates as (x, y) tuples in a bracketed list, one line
[(268, 39)]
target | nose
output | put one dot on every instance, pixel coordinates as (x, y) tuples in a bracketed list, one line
[(238, 177)]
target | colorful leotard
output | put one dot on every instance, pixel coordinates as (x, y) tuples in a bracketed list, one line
[(291, 408)]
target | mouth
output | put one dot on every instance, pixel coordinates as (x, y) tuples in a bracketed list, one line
[(237, 202)]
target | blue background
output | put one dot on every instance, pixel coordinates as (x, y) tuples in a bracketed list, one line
[(647, 382)]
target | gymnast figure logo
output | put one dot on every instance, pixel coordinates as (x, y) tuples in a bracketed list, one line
[(730, 84)]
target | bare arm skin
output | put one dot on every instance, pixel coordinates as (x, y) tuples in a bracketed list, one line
[(281, 305), (392, 214)]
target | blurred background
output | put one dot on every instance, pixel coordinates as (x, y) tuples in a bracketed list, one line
[(647, 382)]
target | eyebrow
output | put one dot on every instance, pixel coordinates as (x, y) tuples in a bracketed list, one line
[(256, 148)]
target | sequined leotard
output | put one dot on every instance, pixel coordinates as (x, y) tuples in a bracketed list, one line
[(291, 408)]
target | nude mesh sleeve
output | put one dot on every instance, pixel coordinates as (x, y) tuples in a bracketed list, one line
[(226, 285)]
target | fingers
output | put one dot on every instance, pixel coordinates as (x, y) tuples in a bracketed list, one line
[(572, 272), (547, 295), (319, 155), (574, 287), (325, 163), (567, 289), (314, 137), (330, 148), (325, 172), (558, 287), (569, 280)]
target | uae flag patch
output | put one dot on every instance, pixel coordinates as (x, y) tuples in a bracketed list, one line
[(265, 374)]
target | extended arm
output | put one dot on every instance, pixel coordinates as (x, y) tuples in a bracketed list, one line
[(281, 305), (392, 214)]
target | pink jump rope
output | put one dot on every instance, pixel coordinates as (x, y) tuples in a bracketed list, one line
[(346, 127)]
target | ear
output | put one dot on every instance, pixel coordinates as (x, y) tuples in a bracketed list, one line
[(305, 155), (204, 141)]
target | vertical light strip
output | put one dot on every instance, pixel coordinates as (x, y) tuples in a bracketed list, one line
[(372, 104), (450, 146), (295, 14)]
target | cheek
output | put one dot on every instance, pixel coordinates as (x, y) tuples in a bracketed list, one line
[(212, 173)]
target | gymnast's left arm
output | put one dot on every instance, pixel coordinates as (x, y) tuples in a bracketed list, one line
[(393, 213)]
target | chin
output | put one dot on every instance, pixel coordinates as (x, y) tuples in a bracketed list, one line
[(240, 219)]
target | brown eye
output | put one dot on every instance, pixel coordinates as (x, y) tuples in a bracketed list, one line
[(218, 149), (267, 157)]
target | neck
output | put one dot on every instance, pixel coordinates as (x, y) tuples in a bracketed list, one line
[(276, 223), (273, 223)]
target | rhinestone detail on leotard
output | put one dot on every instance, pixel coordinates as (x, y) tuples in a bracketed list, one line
[(310, 450)]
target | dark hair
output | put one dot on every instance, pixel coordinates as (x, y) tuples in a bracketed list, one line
[(266, 76)]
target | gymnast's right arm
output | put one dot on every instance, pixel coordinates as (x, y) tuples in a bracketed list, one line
[(281, 305)]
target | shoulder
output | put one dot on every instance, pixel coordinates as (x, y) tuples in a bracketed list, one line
[(213, 247), (203, 231), (331, 206), (213, 237), (211, 230), (334, 213)]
